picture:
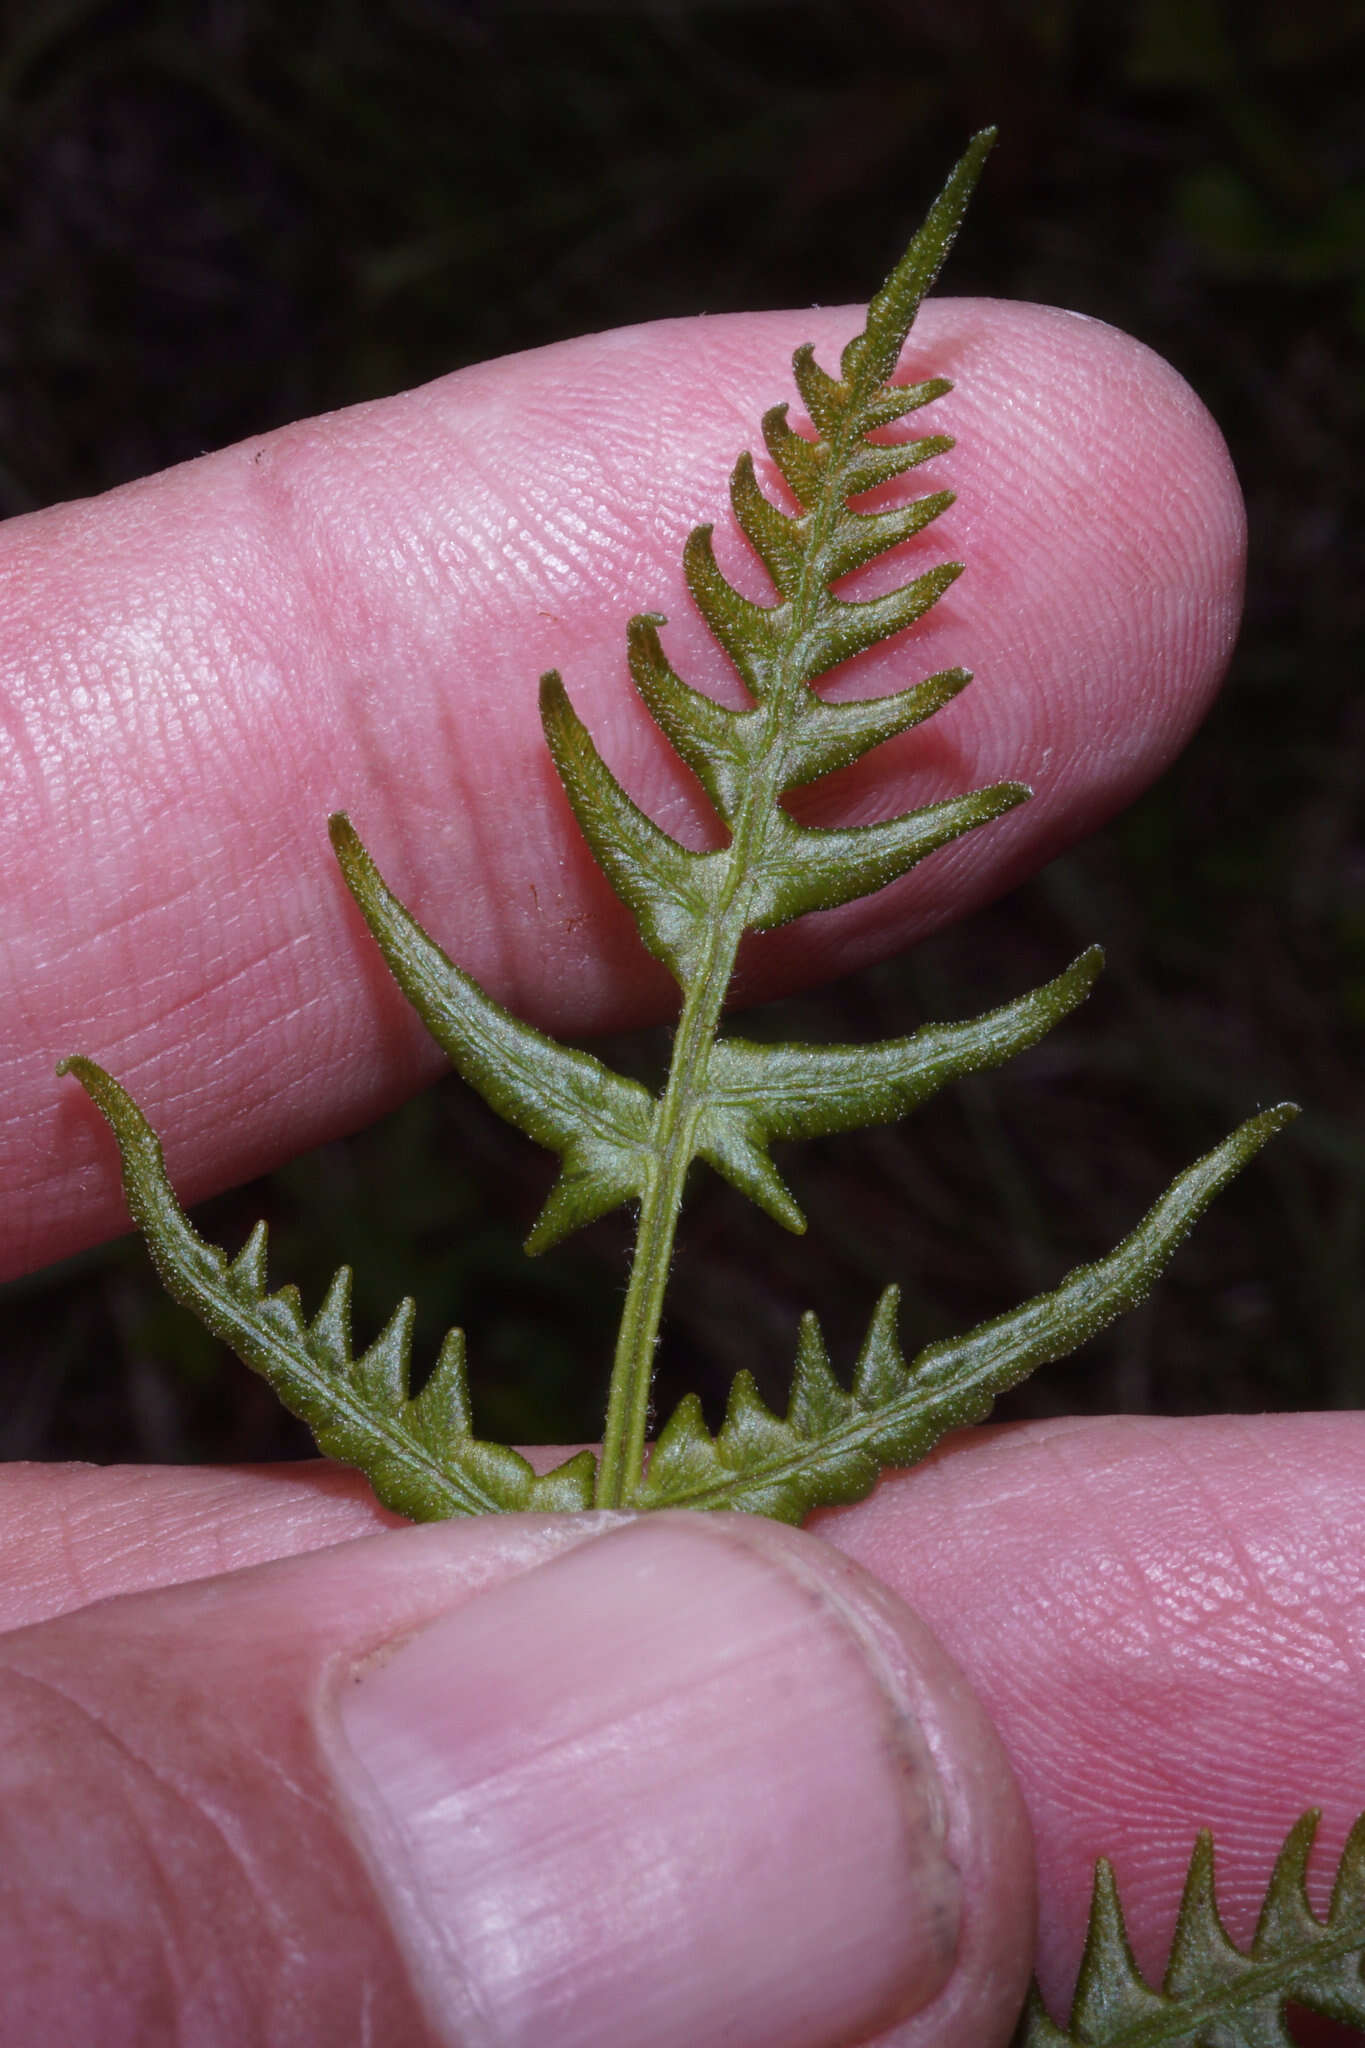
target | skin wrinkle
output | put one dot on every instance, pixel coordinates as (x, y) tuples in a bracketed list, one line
[(165, 1897), (1256, 1591), (1066, 477), (1276, 1622), (1197, 1587), (1217, 1618), (171, 635), (271, 1766), (1119, 1563), (609, 450), (479, 859), (129, 922), (23, 757), (235, 1844), (483, 545), (374, 725), (287, 539), (133, 1515), (72, 1563), (123, 938), (289, 1001)]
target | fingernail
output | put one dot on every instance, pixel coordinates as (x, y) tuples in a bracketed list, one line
[(664, 1790)]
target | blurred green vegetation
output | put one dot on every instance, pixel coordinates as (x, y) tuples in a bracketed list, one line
[(222, 214)]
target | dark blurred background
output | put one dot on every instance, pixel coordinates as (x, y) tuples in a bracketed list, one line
[(220, 214)]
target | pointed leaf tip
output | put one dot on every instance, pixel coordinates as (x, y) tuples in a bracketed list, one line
[(872, 356), (1278, 1117)]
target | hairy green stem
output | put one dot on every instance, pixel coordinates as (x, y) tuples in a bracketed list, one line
[(621, 1466), (632, 1374)]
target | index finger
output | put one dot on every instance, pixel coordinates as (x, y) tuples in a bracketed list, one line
[(199, 667)]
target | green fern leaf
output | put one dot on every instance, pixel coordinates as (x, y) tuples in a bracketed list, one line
[(716, 743), (756, 1093), (598, 1122), (829, 736), (418, 1452), (803, 867), (1216, 1995), (670, 891), (724, 1100), (832, 1445)]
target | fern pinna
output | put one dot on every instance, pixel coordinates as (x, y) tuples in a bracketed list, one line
[(1216, 1995), (725, 1099)]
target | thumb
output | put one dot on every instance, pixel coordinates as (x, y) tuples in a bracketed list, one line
[(580, 1780)]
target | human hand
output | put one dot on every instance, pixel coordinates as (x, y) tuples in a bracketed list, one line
[(202, 666)]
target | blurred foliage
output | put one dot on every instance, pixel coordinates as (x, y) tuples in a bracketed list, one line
[(221, 214)]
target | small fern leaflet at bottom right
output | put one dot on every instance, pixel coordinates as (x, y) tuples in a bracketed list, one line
[(1216, 1995)]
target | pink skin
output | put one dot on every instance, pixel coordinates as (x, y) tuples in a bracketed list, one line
[(1161, 1619)]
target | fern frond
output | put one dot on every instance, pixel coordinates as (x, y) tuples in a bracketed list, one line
[(833, 1443), (829, 736), (1216, 1995), (725, 1100), (418, 1451)]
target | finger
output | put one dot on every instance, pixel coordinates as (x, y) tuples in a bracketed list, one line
[(1164, 1620), (1162, 1617), (74, 1534), (578, 1780), (199, 667)]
